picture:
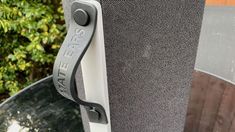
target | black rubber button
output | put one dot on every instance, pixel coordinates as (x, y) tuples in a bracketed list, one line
[(81, 17)]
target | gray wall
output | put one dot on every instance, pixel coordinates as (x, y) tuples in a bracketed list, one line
[(216, 51)]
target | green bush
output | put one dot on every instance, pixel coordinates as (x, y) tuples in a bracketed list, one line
[(30, 35)]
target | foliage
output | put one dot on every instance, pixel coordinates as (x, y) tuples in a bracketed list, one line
[(30, 35)]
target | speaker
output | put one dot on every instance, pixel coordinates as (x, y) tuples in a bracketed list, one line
[(150, 51)]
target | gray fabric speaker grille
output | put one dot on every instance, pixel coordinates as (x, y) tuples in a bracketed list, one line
[(150, 54)]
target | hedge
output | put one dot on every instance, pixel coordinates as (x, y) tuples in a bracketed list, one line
[(30, 35)]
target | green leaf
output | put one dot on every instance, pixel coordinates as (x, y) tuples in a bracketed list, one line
[(39, 47), (12, 57)]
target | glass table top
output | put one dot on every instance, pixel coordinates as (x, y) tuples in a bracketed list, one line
[(39, 108)]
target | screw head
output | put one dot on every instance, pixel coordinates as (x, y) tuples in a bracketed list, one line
[(81, 17)]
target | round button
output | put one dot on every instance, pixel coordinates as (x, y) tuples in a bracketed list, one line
[(81, 17)]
